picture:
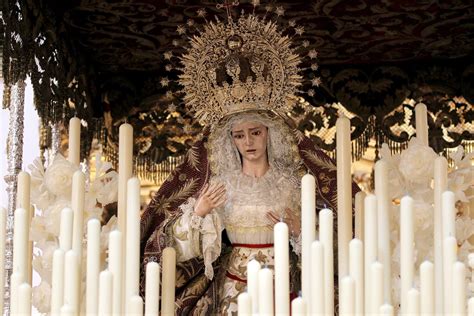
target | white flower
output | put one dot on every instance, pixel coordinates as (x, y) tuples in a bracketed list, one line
[(42, 297), (58, 177), (416, 162)]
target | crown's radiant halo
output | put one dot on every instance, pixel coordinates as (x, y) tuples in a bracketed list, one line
[(239, 65)]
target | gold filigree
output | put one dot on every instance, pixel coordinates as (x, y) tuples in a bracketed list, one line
[(237, 66)]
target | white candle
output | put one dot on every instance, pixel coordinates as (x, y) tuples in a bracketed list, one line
[(386, 310), (359, 215), (376, 279), (152, 289), (427, 289), (24, 306), (265, 292), (132, 266), (77, 203), (16, 279), (298, 307), (57, 282), (65, 229), (23, 190), (326, 238), (244, 304), (470, 306), (93, 266), (449, 214), (413, 302), (116, 267), (74, 141), (67, 310), (344, 193), (3, 222), (449, 257), (317, 278), (282, 269), (125, 173), (169, 281), (421, 123), (383, 220), (135, 305), (356, 271), (407, 236), (370, 244), (308, 230), (20, 243), (440, 185), (459, 288), (71, 280), (105, 293), (253, 266), (347, 296)]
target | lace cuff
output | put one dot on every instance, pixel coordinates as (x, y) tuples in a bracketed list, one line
[(296, 244)]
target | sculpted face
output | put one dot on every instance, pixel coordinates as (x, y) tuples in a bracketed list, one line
[(250, 138)]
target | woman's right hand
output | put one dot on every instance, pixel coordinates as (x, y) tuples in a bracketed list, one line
[(212, 196)]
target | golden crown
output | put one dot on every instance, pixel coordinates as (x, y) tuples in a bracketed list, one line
[(239, 65)]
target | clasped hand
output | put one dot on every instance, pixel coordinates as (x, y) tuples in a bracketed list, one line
[(212, 196), (290, 218)]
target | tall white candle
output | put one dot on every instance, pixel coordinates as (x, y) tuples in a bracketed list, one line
[(93, 266), (65, 229), (407, 236), (16, 279), (23, 190), (125, 173), (244, 304), (449, 257), (344, 193), (449, 214), (383, 220), (370, 244), (298, 307), (169, 281), (326, 238), (74, 141), (440, 185), (282, 269), (77, 203), (359, 215), (105, 293), (317, 278), (413, 302), (356, 271), (470, 306), (132, 266), (421, 123), (459, 288), (427, 289), (71, 280), (308, 230), (57, 282), (347, 296), (24, 292), (135, 305), (386, 310), (116, 267), (253, 266), (265, 292), (3, 223), (376, 278), (20, 243), (152, 289)]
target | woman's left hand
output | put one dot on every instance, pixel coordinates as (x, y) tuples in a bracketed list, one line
[(290, 218)]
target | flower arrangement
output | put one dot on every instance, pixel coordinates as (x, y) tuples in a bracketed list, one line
[(411, 173), (51, 193)]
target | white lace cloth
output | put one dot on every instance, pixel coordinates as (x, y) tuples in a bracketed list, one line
[(243, 216)]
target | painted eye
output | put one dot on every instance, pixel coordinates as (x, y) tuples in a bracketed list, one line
[(238, 136), (257, 132)]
